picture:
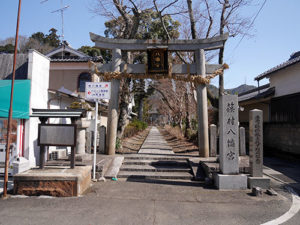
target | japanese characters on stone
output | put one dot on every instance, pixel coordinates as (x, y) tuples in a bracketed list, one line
[(231, 132)]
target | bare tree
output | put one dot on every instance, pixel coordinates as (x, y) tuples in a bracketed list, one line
[(216, 18), (127, 14), (22, 43), (173, 101)]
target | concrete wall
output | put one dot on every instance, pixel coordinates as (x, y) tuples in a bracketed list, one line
[(38, 73), (282, 137), (61, 102), (286, 81), (244, 115)]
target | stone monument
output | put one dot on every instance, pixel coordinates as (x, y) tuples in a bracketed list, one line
[(242, 141), (213, 140), (256, 178), (229, 146), (88, 142), (81, 155), (102, 138)]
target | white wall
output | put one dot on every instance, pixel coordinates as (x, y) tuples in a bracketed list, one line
[(59, 103), (286, 81), (38, 73)]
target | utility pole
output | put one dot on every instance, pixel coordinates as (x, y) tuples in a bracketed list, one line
[(8, 141)]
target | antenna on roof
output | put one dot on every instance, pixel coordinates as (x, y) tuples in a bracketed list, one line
[(61, 10)]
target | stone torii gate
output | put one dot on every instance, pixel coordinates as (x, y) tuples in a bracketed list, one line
[(199, 67)]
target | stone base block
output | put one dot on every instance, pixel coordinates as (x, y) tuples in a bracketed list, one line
[(261, 182), (230, 182), (53, 181), (83, 157)]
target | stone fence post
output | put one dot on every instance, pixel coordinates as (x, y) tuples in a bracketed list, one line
[(102, 139), (256, 151), (213, 140), (242, 141)]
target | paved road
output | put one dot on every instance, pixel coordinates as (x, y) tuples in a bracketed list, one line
[(283, 170), (146, 203)]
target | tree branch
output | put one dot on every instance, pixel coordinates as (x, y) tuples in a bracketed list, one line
[(167, 6), (124, 15), (210, 20), (164, 97), (192, 19), (165, 29)]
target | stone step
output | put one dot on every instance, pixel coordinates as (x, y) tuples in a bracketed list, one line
[(155, 175), (149, 168), (173, 163), (157, 157)]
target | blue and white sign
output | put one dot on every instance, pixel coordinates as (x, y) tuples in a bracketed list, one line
[(97, 90)]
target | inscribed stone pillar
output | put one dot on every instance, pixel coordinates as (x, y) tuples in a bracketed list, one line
[(112, 123), (88, 142), (242, 141), (213, 140), (80, 139), (256, 142), (203, 140), (229, 134), (102, 135)]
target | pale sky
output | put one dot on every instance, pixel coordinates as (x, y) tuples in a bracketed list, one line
[(276, 32)]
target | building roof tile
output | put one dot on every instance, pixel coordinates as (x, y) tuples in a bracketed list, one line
[(6, 66), (278, 67)]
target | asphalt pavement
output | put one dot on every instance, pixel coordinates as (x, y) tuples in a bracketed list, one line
[(149, 202)]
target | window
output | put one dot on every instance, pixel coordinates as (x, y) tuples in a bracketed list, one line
[(84, 77)]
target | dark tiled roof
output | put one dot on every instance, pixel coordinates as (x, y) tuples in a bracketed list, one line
[(65, 47), (279, 67), (254, 90), (258, 93), (6, 66), (85, 59)]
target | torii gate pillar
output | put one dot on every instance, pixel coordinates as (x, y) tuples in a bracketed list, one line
[(112, 123), (202, 112)]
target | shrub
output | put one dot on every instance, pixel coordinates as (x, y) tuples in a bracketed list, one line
[(175, 131), (192, 135), (134, 127), (118, 143)]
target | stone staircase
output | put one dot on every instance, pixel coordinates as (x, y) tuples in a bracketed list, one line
[(155, 167), (155, 160)]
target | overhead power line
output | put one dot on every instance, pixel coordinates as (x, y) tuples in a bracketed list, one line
[(258, 12)]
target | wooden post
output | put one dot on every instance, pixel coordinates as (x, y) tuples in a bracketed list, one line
[(42, 156), (203, 142), (42, 147), (112, 123)]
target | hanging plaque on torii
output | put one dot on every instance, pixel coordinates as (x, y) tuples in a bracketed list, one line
[(157, 60)]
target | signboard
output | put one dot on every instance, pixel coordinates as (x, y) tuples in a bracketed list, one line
[(97, 90), (57, 135)]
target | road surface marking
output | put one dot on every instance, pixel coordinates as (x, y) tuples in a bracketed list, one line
[(289, 214)]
